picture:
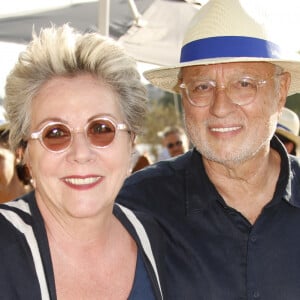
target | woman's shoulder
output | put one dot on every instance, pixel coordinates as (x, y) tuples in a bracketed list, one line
[(15, 219), (18, 208)]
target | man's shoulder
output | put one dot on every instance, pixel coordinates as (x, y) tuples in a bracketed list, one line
[(295, 162), (293, 188), (295, 168), (164, 168), (159, 187)]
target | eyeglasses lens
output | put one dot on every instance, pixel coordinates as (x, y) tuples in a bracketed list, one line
[(242, 91), (56, 137), (101, 133), (172, 145)]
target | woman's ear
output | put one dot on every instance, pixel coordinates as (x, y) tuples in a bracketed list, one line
[(133, 139), (19, 154), (23, 165)]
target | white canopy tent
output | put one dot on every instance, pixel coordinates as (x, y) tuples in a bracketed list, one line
[(159, 40), (155, 36)]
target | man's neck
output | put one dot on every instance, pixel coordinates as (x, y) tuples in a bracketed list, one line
[(249, 186)]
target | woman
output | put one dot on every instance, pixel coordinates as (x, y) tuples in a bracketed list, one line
[(14, 179), (75, 103)]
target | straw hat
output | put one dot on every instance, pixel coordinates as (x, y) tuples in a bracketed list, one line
[(229, 31), (288, 126), (3, 122)]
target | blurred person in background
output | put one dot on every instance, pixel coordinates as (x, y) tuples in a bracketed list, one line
[(140, 160), (174, 140), (14, 175), (288, 131)]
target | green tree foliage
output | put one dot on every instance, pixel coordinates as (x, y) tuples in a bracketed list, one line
[(293, 103), (163, 111)]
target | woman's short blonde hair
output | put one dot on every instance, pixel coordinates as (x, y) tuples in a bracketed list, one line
[(63, 51)]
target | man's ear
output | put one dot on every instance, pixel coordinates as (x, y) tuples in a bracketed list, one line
[(285, 82)]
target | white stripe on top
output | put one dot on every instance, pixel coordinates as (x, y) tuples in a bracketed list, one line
[(140, 230), (15, 220)]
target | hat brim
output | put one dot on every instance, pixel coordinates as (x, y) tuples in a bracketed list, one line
[(166, 78), (290, 136), (3, 126)]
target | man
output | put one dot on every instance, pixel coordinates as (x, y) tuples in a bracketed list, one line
[(230, 207), (174, 140), (288, 131)]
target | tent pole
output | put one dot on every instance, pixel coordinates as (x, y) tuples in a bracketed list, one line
[(134, 9), (103, 17), (138, 19)]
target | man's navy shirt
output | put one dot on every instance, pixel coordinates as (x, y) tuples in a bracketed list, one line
[(214, 252)]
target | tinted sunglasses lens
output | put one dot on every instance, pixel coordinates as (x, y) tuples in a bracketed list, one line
[(171, 145), (56, 137), (101, 132)]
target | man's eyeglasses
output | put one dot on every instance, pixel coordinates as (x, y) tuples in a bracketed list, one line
[(241, 91), (57, 137), (172, 145)]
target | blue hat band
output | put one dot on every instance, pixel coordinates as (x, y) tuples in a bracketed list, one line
[(229, 46), (280, 126)]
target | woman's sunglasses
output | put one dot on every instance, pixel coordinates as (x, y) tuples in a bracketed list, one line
[(57, 137)]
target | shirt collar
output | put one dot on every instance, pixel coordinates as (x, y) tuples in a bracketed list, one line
[(200, 192)]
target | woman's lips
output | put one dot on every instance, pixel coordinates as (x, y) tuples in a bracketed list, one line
[(82, 182)]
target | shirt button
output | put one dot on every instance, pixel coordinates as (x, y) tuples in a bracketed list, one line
[(256, 295), (253, 238)]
